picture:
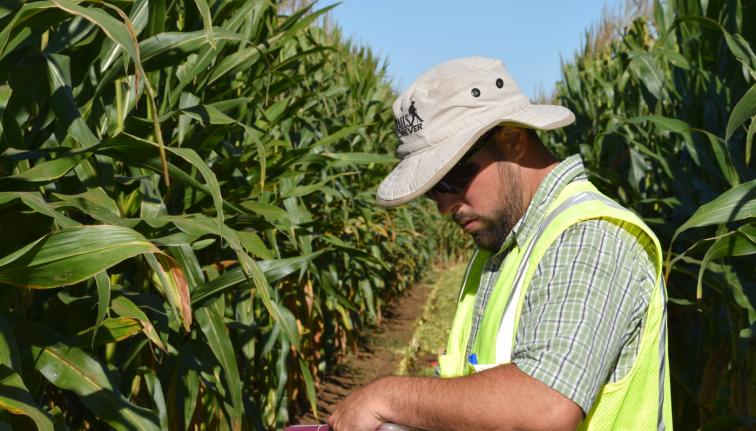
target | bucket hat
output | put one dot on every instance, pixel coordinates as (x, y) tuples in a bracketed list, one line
[(444, 112)]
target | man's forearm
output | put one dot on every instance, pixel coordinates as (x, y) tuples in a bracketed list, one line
[(499, 398)]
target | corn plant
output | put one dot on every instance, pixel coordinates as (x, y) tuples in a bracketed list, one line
[(188, 234), (665, 125)]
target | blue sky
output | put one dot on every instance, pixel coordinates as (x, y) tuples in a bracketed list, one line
[(528, 36)]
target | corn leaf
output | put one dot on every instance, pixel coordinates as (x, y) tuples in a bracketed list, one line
[(738, 243), (124, 307), (109, 331), (103, 298), (15, 398), (742, 112), (71, 255), (274, 270), (207, 20), (9, 355), (170, 280), (71, 368), (210, 319)]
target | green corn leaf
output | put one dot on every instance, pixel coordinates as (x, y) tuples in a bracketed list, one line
[(15, 398), (749, 141), (210, 319), (64, 104), (26, 12), (103, 299), (183, 389), (367, 292), (208, 114), (348, 159), (124, 307), (212, 182), (309, 387), (207, 20), (736, 204), (185, 42), (252, 271), (143, 153), (161, 50), (71, 255), (738, 243), (109, 331), (46, 171), (270, 212), (274, 270), (646, 69), (243, 58), (36, 202), (114, 29), (738, 46), (7, 7), (336, 136), (724, 159), (296, 23), (138, 15), (9, 355), (155, 388), (73, 369), (254, 245), (749, 332), (673, 125), (742, 112), (95, 203), (121, 34), (353, 251)]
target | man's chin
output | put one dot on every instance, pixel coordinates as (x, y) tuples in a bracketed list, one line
[(485, 241), (489, 237)]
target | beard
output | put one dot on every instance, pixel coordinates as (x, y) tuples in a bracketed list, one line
[(507, 211)]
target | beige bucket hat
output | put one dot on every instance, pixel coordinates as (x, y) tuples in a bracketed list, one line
[(445, 111)]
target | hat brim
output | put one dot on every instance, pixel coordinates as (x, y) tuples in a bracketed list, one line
[(417, 173)]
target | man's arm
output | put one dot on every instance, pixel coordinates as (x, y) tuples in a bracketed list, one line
[(499, 398)]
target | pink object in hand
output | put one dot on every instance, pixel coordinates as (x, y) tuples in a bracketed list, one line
[(321, 427), (324, 427)]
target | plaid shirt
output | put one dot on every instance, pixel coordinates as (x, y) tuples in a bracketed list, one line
[(581, 321)]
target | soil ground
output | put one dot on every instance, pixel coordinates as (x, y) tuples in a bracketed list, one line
[(412, 331)]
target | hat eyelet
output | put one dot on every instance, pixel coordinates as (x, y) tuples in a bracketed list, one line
[(475, 92), (500, 83)]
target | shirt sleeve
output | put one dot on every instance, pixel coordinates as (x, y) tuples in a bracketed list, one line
[(584, 309)]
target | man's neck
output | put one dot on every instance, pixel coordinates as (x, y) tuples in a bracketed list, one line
[(534, 173)]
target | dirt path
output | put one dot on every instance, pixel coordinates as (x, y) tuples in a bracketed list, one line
[(383, 348)]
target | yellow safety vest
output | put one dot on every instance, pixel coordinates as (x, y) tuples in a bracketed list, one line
[(638, 401)]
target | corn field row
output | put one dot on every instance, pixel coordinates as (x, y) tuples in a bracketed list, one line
[(189, 234)]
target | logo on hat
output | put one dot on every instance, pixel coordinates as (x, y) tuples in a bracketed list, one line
[(406, 125)]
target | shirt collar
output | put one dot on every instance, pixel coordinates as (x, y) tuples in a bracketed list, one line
[(565, 172)]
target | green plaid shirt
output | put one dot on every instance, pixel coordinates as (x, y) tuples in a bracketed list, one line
[(581, 322)]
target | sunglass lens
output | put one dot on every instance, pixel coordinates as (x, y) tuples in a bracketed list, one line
[(463, 172), (456, 179)]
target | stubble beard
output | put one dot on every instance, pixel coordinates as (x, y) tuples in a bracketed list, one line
[(507, 211)]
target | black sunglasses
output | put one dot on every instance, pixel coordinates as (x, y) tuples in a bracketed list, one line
[(459, 176)]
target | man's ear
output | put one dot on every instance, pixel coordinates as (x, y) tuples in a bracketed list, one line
[(511, 142)]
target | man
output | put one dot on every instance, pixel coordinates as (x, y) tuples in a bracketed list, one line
[(561, 322)]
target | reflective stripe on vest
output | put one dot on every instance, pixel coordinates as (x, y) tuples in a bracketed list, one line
[(620, 404)]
